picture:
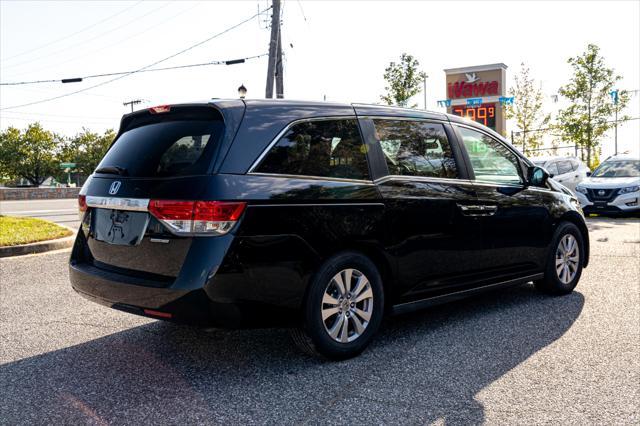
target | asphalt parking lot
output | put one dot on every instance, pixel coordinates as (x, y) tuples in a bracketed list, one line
[(513, 357)]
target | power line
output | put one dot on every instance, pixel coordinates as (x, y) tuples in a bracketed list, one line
[(86, 41), (138, 70), (128, 39), (75, 33), (79, 79)]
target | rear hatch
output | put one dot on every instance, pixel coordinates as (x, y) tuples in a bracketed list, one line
[(138, 207)]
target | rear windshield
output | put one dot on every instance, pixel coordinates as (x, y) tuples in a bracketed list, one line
[(170, 148)]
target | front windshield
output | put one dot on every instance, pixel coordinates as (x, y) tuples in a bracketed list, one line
[(626, 168)]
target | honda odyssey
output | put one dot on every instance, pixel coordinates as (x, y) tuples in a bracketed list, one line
[(316, 216)]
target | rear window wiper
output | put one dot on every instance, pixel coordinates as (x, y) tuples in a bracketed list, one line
[(112, 170)]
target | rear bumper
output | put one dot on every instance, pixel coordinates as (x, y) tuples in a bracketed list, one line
[(182, 306)]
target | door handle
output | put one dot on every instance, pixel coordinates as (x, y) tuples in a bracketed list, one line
[(477, 209)]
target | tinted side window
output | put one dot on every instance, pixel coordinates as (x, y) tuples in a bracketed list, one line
[(491, 160), (564, 167), (575, 165), (327, 148), (415, 148)]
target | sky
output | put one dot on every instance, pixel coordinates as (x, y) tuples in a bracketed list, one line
[(332, 49)]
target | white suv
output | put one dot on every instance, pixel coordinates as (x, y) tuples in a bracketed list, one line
[(614, 187), (568, 171)]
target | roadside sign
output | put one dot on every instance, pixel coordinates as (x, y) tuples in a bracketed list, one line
[(67, 165)]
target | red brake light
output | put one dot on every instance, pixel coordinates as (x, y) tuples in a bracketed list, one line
[(82, 203), (197, 217), (160, 109), (217, 210), (82, 206), (172, 210)]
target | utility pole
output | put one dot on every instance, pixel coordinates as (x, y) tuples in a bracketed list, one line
[(279, 68), (132, 103), (273, 47)]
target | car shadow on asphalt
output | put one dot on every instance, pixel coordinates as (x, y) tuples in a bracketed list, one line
[(423, 367)]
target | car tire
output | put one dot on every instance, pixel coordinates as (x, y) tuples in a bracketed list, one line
[(346, 291), (564, 261)]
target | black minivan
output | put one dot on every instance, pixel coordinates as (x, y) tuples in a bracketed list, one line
[(317, 216)]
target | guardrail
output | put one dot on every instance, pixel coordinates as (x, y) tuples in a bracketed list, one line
[(37, 193)]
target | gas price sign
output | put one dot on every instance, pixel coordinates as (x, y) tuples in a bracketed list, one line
[(484, 114)]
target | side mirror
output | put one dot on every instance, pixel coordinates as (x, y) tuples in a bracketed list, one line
[(588, 173), (537, 176)]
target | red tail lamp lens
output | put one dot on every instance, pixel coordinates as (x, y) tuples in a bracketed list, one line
[(216, 211), (172, 210), (197, 217), (82, 203)]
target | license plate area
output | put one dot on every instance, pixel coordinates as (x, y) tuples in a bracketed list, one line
[(118, 227)]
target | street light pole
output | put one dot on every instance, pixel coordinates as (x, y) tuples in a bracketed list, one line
[(616, 132), (424, 91), (614, 96)]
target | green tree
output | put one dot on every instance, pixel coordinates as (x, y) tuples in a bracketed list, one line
[(31, 154), (586, 120), (527, 111), (87, 148), (403, 81)]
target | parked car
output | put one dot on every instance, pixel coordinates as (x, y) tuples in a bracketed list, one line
[(613, 188), (568, 171), (321, 217)]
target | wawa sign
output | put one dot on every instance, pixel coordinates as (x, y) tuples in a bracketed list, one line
[(472, 88), (474, 92)]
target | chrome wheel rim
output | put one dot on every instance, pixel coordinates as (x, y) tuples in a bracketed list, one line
[(347, 305), (567, 259)]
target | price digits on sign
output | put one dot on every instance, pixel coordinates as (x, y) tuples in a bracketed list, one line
[(482, 114)]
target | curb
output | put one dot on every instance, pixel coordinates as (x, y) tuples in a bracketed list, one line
[(39, 247)]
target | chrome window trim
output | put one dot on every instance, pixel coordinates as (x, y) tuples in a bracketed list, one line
[(377, 204), (286, 129), (118, 203), (390, 117), (308, 177), (423, 178)]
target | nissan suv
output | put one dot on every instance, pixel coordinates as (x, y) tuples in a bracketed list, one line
[(612, 188), (315, 216)]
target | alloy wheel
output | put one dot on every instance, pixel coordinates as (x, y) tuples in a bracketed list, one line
[(347, 305), (567, 258)]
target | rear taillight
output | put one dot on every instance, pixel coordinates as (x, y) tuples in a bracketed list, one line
[(82, 206), (197, 217)]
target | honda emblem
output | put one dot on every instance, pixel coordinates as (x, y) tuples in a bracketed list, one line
[(115, 186)]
